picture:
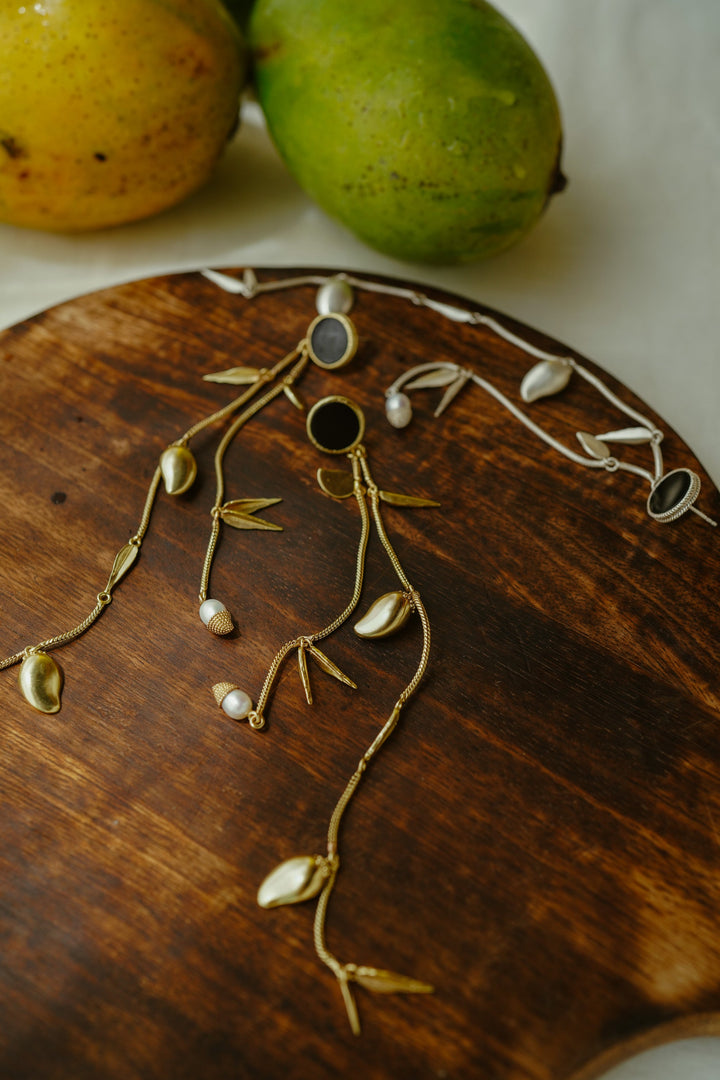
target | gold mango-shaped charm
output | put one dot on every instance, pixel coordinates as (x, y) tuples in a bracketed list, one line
[(385, 616), (41, 682), (293, 881), (178, 468)]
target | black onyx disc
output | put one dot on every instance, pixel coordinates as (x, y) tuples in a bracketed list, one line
[(673, 495), (335, 425), (332, 340)]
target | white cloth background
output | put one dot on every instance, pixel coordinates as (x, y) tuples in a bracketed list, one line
[(623, 267)]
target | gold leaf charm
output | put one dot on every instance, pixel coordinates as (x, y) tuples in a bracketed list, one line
[(544, 379), (385, 616), (328, 667), (337, 483), (388, 982), (41, 682), (239, 514), (397, 499), (124, 559), (178, 468), (293, 881), (236, 376)]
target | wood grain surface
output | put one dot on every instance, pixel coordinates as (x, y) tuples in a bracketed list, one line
[(539, 839)]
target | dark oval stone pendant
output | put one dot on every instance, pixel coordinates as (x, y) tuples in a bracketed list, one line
[(673, 494), (332, 341)]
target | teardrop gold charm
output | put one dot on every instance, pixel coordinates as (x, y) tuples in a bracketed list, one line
[(178, 468), (385, 616), (293, 881), (41, 682)]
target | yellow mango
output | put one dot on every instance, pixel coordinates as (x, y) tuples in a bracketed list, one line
[(112, 110)]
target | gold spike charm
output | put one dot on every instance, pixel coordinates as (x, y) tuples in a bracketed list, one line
[(328, 667), (378, 981), (293, 397), (304, 676)]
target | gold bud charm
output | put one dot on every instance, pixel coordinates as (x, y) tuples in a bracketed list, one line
[(385, 616), (293, 881), (178, 468), (216, 617), (234, 701), (41, 682), (221, 623)]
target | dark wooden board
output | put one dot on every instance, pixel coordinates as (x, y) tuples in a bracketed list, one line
[(540, 837)]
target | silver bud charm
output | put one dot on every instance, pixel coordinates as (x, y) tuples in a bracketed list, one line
[(544, 379), (334, 295)]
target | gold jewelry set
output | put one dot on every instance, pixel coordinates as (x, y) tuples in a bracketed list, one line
[(336, 426)]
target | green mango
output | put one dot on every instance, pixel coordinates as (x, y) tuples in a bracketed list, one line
[(428, 127)]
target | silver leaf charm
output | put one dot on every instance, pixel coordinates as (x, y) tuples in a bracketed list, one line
[(432, 379), (633, 436), (545, 379), (593, 446)]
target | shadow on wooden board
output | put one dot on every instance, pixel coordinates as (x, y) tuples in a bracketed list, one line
[(539, 838)]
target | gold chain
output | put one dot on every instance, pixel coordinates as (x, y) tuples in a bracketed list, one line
[(265, 376), (257, 716)]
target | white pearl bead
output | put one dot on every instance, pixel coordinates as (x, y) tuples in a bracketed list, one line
[(398, 410), (208, 608), (237, 704)]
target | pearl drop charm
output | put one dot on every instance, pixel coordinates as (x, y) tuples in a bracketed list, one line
[(398, 410), (216, 617), (233, 701)]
